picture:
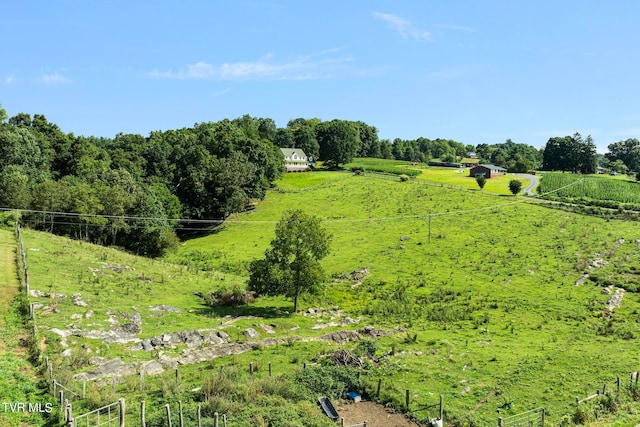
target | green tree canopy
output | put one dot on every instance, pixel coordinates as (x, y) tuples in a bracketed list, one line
[(291, 266), (339, 141), (515, 186)]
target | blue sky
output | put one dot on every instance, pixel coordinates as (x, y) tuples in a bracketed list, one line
[(474, 71)]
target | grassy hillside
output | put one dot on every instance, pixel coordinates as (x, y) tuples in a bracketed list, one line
[(494, 291), (484, 287)]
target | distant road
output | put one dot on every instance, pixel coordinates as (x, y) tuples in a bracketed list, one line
[(533, 183)]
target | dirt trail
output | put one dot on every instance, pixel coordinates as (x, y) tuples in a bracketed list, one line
[(373, 413), (9, 285)]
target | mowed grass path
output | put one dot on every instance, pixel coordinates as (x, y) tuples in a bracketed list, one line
[(18, 380)]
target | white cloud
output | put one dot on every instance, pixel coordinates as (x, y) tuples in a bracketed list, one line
[(54, 78), (314, 66), (403, 27), (222, 92)]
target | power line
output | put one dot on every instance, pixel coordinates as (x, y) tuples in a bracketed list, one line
[(232, 221)]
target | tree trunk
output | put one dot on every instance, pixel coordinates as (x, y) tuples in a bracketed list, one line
[(295, 303)]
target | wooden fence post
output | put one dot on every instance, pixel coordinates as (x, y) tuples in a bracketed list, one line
[(442, 409), (141, 381), (543, 417), (406, 398), (618, 385), (143, 422), (69, 415), (180, 412), (177, 377), (198, 416), (224, 420), (65, 410), (500, 422), (215, 419), (378, 390), (168, 414), (304, 365), (604, 389), (121, 417), (221, 370), (251, 368), (84, 388), (61, 398)]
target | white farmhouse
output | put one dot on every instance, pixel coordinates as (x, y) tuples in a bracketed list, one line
[(296, 161)]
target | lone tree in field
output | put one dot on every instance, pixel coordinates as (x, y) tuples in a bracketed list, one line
[(481, 180), (515, 186), (291, 266)]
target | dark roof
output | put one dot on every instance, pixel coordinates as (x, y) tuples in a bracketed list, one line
[(493, 168)]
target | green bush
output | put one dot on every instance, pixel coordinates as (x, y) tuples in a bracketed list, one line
[(229, 297)]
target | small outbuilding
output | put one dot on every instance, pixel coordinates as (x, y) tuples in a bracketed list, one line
[(487, 171)]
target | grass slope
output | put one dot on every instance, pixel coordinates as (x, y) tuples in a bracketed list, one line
[(485, 287), (492, 300)]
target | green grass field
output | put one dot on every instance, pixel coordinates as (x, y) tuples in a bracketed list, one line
[(484, 285)]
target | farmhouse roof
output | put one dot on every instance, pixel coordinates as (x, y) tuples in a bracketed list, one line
[(494, 168), (289, 152)]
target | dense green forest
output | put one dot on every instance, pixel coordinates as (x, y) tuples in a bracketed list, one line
[(136, 192)]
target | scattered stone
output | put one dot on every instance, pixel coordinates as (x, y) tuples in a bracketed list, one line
[(97, 360), (581, 280), (251, 333), (616, 299), (607, 291), (466, 389), (295, 328), (403, 238), (76, 316), (39, 294), (118, 268), (67, 353), (77, 300), (113, 320), (36, 293), (89, 314), (341, 337), (162, 307), (357, 275), (267, 329), (131, 328), (151, 367), (135, 318)]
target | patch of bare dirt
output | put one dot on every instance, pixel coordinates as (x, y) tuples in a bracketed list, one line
[(374, 414)]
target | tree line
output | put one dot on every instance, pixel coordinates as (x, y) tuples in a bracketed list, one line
[(211, 170)]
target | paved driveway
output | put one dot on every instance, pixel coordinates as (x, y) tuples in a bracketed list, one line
[(533, 183)]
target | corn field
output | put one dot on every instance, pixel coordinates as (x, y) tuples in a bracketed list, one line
[(574, 186)]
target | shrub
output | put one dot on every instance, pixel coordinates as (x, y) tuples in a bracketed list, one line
[(229, 297), (404, 177)]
